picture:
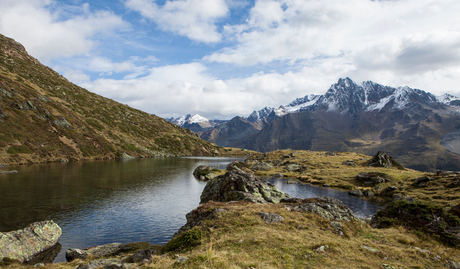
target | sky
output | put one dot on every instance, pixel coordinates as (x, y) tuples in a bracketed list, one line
[(223, 58)]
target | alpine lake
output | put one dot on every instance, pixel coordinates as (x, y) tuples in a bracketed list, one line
[(123, 201)]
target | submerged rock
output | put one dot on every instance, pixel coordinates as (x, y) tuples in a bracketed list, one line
[(237, 185), (23, 245)]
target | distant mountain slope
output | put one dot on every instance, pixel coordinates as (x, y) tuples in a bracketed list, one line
[(418, 129), (233, 133), (44, 117)]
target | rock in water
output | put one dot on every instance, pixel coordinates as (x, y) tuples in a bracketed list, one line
[(23, 245), (204, 173), (237, 185)]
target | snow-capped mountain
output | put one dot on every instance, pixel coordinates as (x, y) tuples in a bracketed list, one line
[(189, 119), (348, 96), (196, 123)]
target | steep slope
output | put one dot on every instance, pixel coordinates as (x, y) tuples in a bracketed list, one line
[(417, 128), (233, 133), (44, 117)]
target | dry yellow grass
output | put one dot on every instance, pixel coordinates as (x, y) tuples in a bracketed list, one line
[(241, 239), (324, 168)]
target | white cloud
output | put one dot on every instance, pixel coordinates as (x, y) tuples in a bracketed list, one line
[(369, 34), (46, 35), (194, 19)]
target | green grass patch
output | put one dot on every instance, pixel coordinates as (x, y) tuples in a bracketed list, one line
[(186, 240), (19, 149)]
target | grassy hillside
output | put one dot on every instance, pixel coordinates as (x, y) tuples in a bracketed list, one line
[(45, 118)]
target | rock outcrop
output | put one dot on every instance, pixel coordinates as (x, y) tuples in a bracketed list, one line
[(381, 159), (327, 207), (96, 252), (23, 245), (238, 185)]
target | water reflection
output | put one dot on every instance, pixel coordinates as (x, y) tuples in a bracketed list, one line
[(104, 201), (362, 208)]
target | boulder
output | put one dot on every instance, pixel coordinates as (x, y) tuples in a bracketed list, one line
[(371, 178), (381, 159), (271, 218), (421, 180), (261, 166), (327, 207), (358, 193), (143, 255), (96, 252), (204, 173), (293, 167), (200, 214), (238, 185), (349, 163), (23, 245), (236, 165)]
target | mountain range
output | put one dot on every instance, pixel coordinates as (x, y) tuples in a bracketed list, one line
[(419, 129), (46, 118)]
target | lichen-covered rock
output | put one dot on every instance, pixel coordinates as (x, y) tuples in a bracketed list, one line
[(271, 218), (62, 122), (237, 185), (204, 173), (23, 245), (327, 207), (96, 252), (261, 166)]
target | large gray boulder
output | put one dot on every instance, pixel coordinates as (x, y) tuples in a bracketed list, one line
[(237, 185), (23, 245)]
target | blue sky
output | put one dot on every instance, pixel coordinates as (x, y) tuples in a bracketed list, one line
[(222, 58)]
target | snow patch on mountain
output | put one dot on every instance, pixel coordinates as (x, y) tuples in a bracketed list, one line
[(189, 119)]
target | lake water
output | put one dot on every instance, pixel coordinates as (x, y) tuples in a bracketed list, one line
[(137, 200)]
